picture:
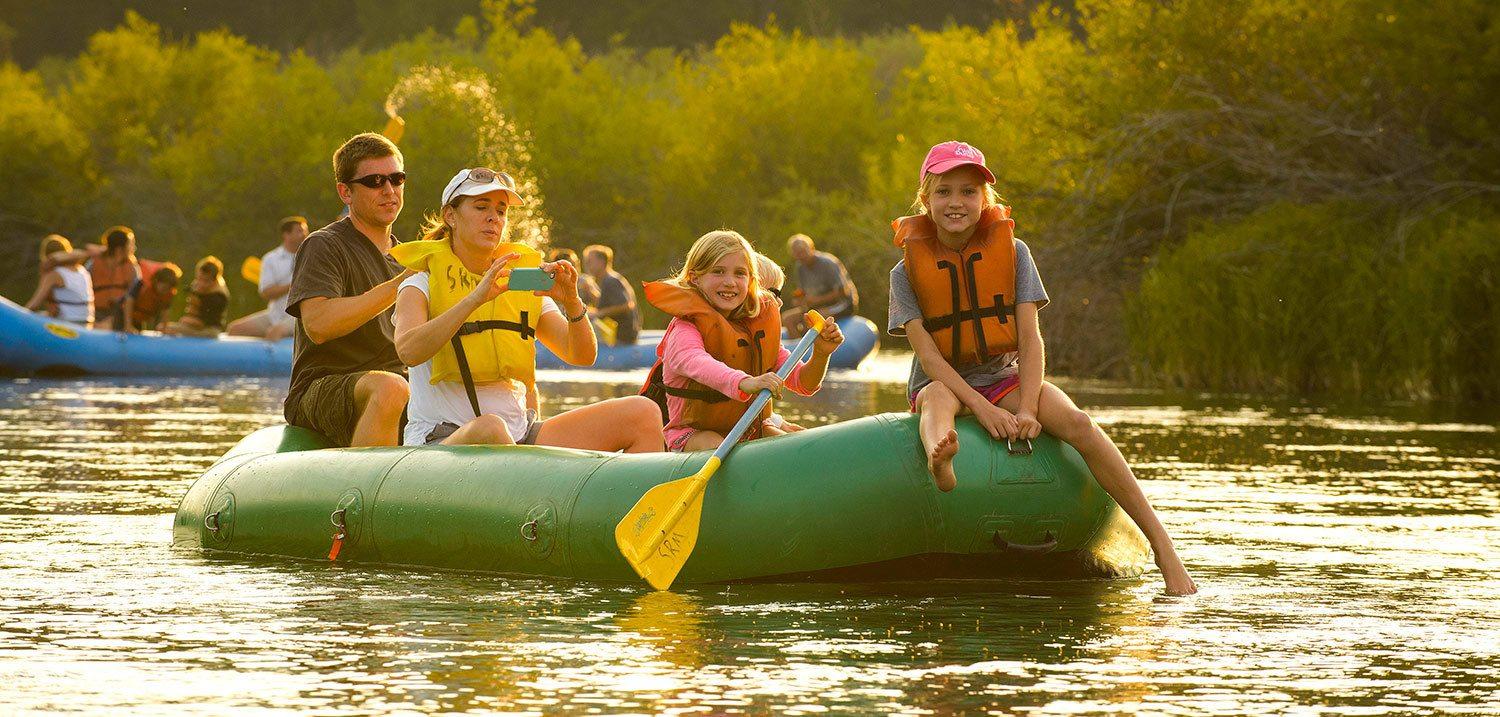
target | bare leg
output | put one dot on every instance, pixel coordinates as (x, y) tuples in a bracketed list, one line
[(484, 430), (280, 330), (379, 398), (702, 441), (1062, 418), (937, 406), (631, 424), (249, 325)]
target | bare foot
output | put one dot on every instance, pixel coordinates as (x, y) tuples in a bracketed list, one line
[(940, 462)]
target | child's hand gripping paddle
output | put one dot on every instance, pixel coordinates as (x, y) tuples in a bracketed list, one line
[(659, 533)]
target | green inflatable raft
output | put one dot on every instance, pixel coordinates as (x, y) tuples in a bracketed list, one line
[(847, 502)]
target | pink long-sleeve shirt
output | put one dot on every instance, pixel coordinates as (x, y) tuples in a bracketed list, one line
[(684, 358)]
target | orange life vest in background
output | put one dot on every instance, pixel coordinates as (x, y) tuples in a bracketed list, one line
[(968, 295), (111, 280), (149, 303), (751, 345)]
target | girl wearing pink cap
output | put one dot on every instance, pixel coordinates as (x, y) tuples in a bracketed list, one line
[(966, 294)]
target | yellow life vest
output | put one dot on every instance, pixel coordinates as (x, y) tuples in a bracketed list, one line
[(497, 341)]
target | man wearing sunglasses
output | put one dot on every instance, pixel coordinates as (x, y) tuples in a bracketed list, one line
[(347, 381)]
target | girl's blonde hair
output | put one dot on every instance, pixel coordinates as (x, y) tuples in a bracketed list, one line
[(771, 276), (706, 252), (929, 182), (434, 227)]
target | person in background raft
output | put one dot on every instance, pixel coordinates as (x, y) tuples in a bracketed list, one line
[(983, 347), (273, 322), (471, 341), (207, 301), (113, 272), (587, 289), (772, 278), (65, 289), (616, 298), (822, 284), (347, 381), (148, 300)]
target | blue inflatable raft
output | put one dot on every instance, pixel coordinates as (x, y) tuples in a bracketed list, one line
[(861, 338), (33, 344)]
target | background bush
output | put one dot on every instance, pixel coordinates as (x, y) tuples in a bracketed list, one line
[(1308, 156)]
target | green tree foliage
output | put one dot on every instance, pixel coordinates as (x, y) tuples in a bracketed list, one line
[(1299, 298), (1304, 156)]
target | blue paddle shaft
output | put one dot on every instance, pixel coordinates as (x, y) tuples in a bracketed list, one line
[(765, 395)]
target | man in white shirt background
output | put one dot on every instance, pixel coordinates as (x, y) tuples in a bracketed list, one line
[(273, 322)]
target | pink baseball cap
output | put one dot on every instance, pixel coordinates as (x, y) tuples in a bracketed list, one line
[(949, 155)]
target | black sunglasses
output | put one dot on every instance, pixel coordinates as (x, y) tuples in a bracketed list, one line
[(376, 181), (775, 292)]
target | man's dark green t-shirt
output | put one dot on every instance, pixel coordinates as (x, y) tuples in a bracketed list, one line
[(335, 262)]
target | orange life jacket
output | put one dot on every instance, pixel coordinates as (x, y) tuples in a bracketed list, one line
[(111, 280), (150, 303), (968, 295), (751, 345)]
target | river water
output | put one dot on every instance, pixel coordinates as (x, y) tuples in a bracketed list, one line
[(1349, 560)]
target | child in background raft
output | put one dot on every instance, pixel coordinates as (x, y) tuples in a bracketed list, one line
[(147, 301), (985, 355), (65, 289), (716, 353), (207, 300), (772, 278)]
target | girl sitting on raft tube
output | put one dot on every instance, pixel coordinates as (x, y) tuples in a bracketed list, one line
[(715, 354), (471, 342), (64, 290), (966, 294)]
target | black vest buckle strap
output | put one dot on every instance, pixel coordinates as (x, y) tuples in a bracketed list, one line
[(755, 352), (522, 327)]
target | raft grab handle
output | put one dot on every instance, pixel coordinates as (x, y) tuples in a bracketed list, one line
[(211, 523), (1048, 544), (529, 531), (1021, 448)]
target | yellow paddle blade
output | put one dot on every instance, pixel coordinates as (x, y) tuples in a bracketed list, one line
[(659, 533), (394, 129), (250, 269)]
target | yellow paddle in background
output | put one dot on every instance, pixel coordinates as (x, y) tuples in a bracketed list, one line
[(394, 128), (250, 269), (659, 533)]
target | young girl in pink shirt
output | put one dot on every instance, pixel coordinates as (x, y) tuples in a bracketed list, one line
[(718, 350)]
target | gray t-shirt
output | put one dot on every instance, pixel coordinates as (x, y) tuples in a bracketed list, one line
[(826, 274), (904, 308), (614, 290), (338, 261)]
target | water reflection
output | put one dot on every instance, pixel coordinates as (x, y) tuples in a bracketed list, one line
[(1349, 556)]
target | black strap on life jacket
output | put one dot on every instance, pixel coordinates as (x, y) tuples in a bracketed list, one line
[(757, 360), (975, 313), (523, 327), (657, 390)]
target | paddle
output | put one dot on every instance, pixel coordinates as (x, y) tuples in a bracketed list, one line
[(250, 269), (659, 533)]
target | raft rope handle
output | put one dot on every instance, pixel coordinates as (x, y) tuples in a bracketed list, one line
[(1023, 449), (535, 533), (211, 523), (337, 519), (1048, 544)]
